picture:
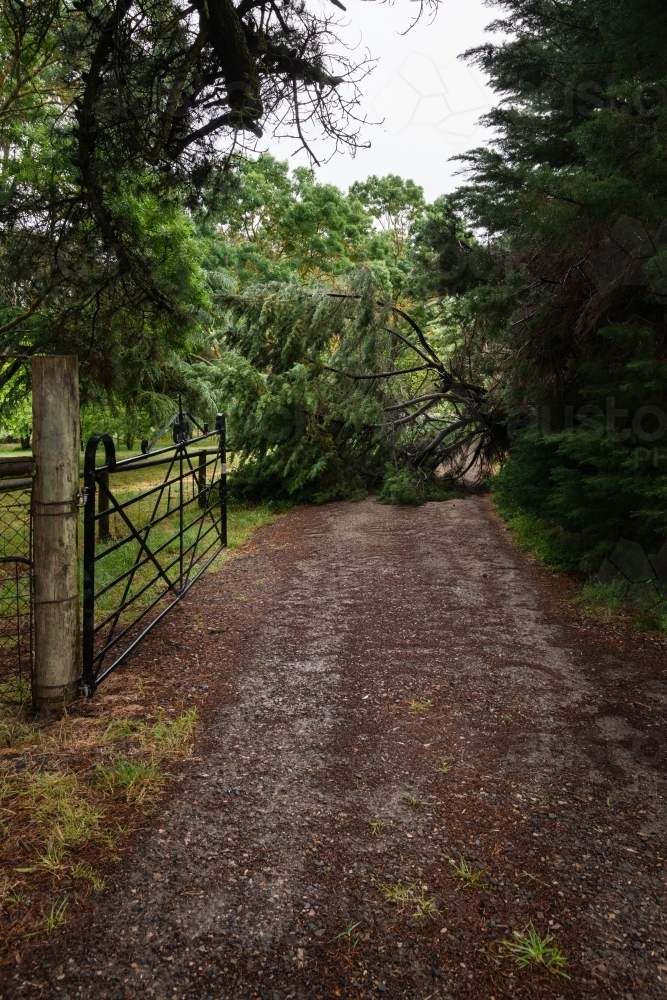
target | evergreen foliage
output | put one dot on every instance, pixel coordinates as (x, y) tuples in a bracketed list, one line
[(359, 340), (568, 324), (117, 123)]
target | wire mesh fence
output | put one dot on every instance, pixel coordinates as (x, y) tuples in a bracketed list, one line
[(15, 593)]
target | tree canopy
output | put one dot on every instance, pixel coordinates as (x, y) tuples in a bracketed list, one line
[(118, 121), (516, 325), (571, 321)]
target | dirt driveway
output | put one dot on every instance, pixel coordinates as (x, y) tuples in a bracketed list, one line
[(394, 688)]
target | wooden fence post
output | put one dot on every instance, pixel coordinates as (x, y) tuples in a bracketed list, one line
[(55, 409)]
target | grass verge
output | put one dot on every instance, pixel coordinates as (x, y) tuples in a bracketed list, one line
[(639, 606), (71, 789), (74, 788)]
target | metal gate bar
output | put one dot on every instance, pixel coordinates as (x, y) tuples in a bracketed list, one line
[(113, 629)]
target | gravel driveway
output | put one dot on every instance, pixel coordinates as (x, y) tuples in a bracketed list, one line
[(390, 690)]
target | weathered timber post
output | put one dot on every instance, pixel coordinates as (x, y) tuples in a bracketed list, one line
[(55, 416)]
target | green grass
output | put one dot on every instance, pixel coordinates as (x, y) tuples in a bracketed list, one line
[(16, 897), (57, 799), (412, 895), (550, 544), (642, 604), (138, 782), (54, 822), (348, 934), (242, 522), (170, 739), (128, 487), (472, 878), (162, 739), (530, 948), (55, 918), (85, 872), (419, 706)]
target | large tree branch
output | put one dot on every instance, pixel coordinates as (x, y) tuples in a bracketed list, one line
[(398, 371), (239, 67), (417, 399), (440, 437), (410, 417), (174, 101)]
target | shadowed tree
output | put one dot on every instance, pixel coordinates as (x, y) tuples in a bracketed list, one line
[(115, 116)]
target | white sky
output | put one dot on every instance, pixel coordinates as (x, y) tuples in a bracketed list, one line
[(427, 100)]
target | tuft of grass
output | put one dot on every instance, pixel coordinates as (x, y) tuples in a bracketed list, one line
[(348, 934), (139, 782), (419, 705), (56, 917), (51, 860), (377, 826), (120, 729), (602, 599), (425, 907), (530, 948), (57, 802), (163, 739), (170, 739), (412, 895), (645, 604), (16, 897), (560, 550), (52, 920), (415, 802), (85, 872), (445, 765), (47, 814), (471, 877), (112, 834)]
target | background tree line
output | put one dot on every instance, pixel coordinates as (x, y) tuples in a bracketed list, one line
[(366, 339)]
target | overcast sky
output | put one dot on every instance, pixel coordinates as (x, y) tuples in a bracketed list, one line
[(427, 100)]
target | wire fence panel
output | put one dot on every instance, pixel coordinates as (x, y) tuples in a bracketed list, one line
[(152, 525), (15, 591)]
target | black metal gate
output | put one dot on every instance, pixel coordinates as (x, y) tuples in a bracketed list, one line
[(146, 542)]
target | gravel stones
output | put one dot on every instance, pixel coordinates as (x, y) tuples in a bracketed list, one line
[(258, 877)]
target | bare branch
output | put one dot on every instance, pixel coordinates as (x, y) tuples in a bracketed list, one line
[(398, 371)]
